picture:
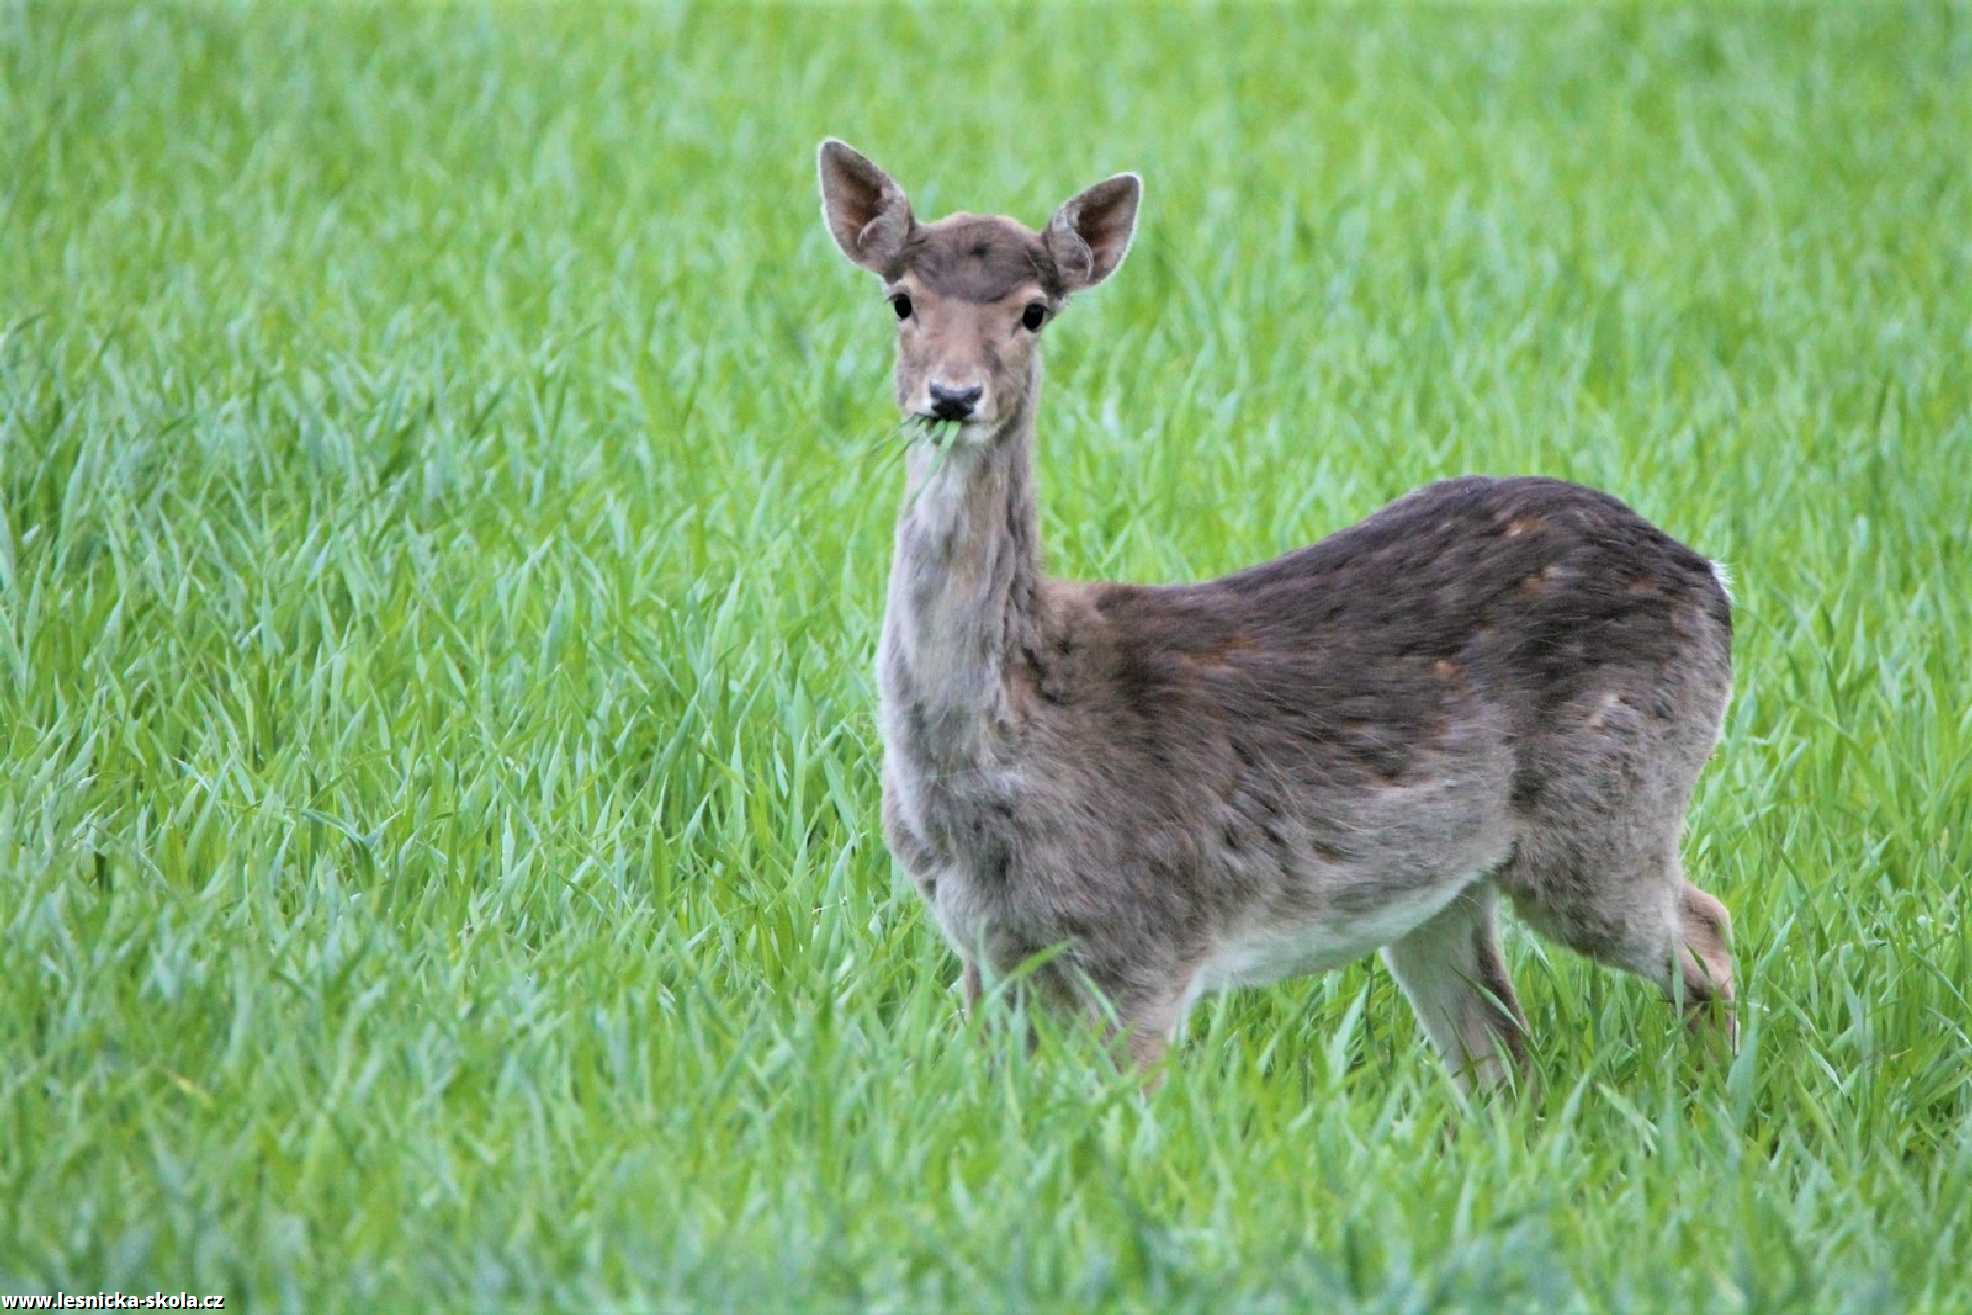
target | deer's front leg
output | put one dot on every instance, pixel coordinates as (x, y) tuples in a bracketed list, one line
[(1149, 1027), (969, 986)]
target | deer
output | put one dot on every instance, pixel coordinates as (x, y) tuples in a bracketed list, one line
[(1136, 794)]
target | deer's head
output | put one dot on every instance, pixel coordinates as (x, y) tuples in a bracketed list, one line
[(971, 293)]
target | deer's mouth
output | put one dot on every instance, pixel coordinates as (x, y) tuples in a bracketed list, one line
[(941, 431)]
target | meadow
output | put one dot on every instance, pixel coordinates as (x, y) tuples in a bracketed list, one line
[(446, 477)]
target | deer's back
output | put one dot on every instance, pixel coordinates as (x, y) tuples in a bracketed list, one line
[(1518, 594)]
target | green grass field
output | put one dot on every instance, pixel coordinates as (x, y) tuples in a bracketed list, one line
[(446, 475)]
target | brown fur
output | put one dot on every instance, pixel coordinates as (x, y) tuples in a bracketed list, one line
[(1492, 685)]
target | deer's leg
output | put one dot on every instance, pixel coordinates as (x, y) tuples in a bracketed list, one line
[(1595, 864), (1455, 977), (1705, 962), (1644, 917), (969, 985), (1148, 1029), (1139, 1010), (1677, 938)]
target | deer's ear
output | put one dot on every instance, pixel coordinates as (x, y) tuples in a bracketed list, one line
[(866, 212), (1089, 236)]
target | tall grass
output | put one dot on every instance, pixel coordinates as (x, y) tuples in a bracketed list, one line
[(445, 484)]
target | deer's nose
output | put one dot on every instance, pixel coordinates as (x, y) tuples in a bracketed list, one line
[(955, 403)]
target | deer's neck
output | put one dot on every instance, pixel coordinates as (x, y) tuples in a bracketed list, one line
[(963, 584)]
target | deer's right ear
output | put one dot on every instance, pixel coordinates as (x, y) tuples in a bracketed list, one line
[(866, 212)]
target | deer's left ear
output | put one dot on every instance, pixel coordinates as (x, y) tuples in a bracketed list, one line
[(1089, 236)]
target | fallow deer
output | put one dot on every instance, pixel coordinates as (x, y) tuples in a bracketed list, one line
[(1490, 685)]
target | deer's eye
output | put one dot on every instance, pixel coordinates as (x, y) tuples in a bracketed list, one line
[(901, 303), (1034, 316)]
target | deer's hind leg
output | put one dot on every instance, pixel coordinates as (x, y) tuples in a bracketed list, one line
[(1661, 927), (1455, 977), (1705, 956), (1596, 865)]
